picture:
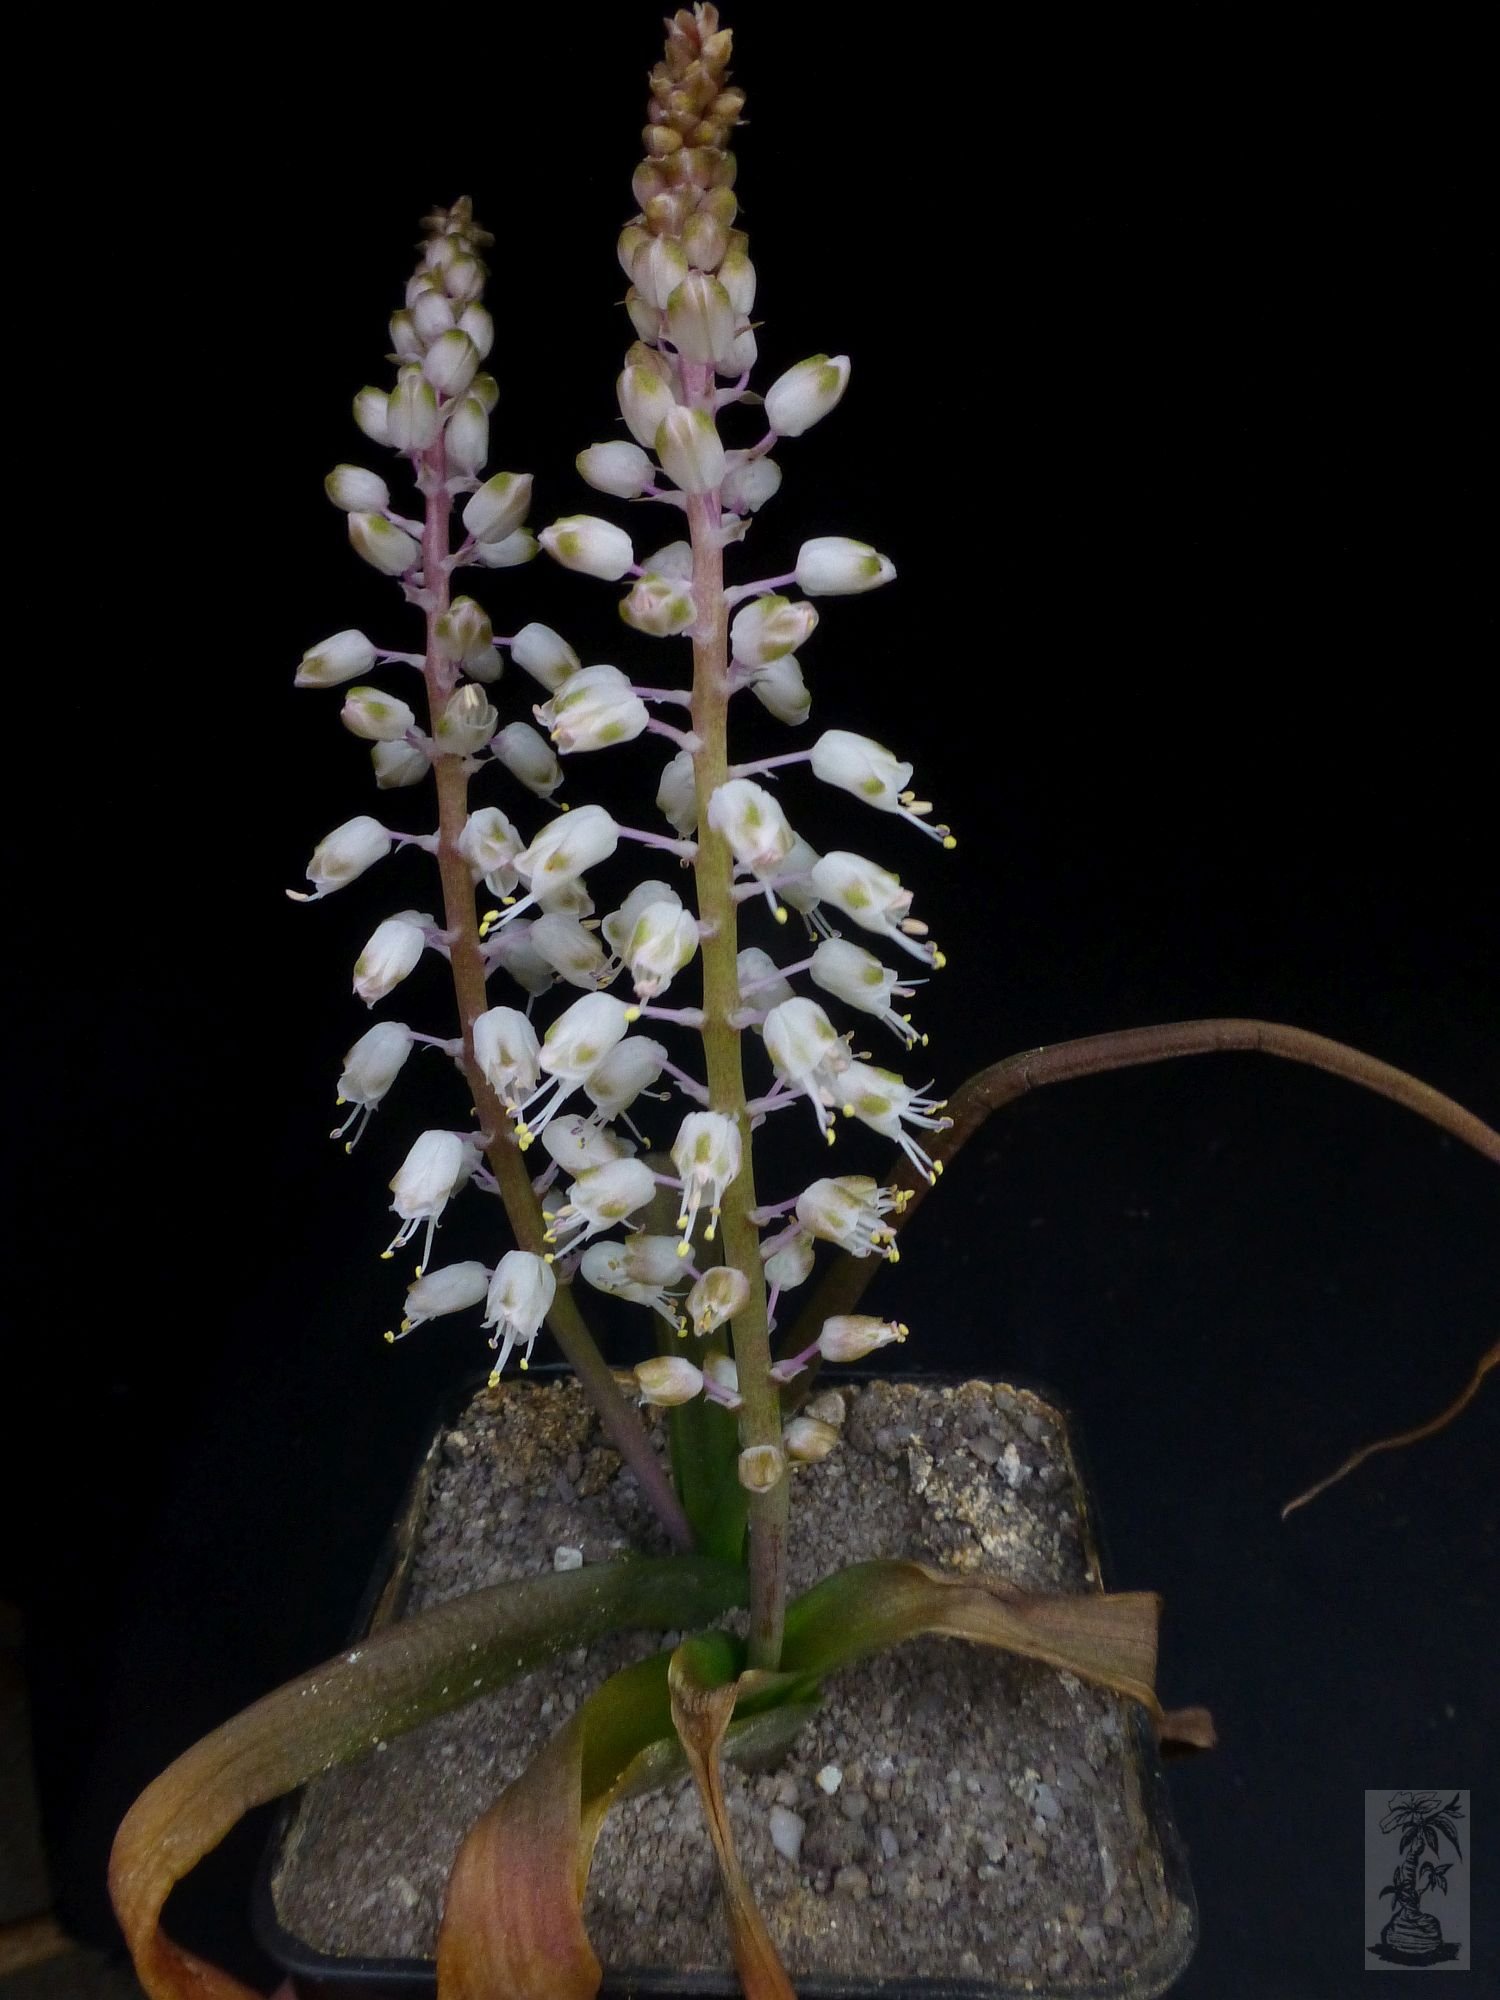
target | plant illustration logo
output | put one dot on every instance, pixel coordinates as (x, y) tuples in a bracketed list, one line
[(1412, 1840)]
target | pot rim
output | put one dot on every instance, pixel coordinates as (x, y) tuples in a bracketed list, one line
[(314, 1972)]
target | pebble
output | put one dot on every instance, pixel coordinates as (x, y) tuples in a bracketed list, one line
[(852, 1881), (829, 1779), (786, 1833), (566, 1558)]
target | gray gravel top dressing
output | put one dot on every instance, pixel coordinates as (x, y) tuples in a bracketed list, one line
[(950, 1812)]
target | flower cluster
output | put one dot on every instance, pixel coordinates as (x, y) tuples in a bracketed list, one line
[(571, 1083)]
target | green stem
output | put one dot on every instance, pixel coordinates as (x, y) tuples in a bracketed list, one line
[(622, 1425), (760, 1417)]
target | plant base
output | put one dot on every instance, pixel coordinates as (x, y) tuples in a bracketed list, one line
[(953, 1822)]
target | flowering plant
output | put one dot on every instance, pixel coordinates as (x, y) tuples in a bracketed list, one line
[(516, 923)]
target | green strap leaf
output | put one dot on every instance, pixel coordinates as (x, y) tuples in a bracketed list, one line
[(420, 1667)]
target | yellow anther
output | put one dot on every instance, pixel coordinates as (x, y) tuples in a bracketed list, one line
[(893, 1254), (340, 1102), (684, 1248), (780, 913), (525, 1364), (949, 842), (939, 960), (632, 1013), (390, 1338), (405, 1328), (708, 1234), (348, 1145), (548, 1257), (829, 1134), (848, 1110), (386, 1256), (494, 1381)]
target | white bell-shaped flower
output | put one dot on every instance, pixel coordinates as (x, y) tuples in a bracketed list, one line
[(453, 1289), (664, 940), (667, 1380), (617, 468), (677, 796), (878, 1098), (690, 451), (835, 566), (370, 1068), (789, 1260), (750, 484), (761, 981), (528, 757), (857, 977), (357, 491), (398, 764), (545, 655), (569, 845), (672, 559), (391, 952), (850, 1212), (512, 950), (372, 414), (479, 325), (375, 716), (467, 722), (706, 1154), (866, 768), (769, 628), (793, 882), (508, 1052), (593, 709), (451, 363), (610, 1267), (797, 400), (577, 1144), (464, 633), (574, 953), (572, 1048), (510, 553), (490, 844), (344, 657), (599, 1199), (718, 1295), (626, 1073), (594, 547), (426, 1181), (751, 820), (383, 545), (499, 507), (874, 898), (737, 276), (342, 855), (807, 1052), (781, 690), (619, 924), (520, 1298), (851, 1336)]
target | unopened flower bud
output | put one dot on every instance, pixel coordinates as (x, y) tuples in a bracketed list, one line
[(392, 952), (644, 317), (467, 723), (659, 268), (479, 325), (378, 717), (690, 451), (677, 797), (705, 239), (667, 1380), (672, 559), (574, 954), (718, 1296), (796, 400), (834, 566), (545, 655), (521, 547), (807, 1440), (592, 710), (780, 689), (390, 550), (463, 279), (618, 468), (761, 1466), (397, 765), (737, 276), (344, 657), (768, 629), (372, 413), (486, 391), (645, 401), (345, 853), (747, 487), (720, 1372), (577, 1146), (584, 542), (357, 491), (629, 1070), (633, 239), (701, 319), (412, 421), (761, 981), (529, 758), (431, 314), (659, 606), (405, 338), (499, 507), (468, 436)]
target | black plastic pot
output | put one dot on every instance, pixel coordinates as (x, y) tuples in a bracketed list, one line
[(316, 1975)]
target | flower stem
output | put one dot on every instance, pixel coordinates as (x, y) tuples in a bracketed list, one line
[(760, 1418), (622, 1425)]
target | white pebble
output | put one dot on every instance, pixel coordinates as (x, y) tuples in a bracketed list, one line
[(829, 1779), (786, 1833), (565, 1558)]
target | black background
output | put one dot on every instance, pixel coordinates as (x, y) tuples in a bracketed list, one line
[(1167, 404)]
